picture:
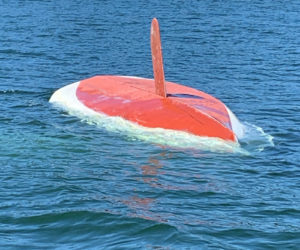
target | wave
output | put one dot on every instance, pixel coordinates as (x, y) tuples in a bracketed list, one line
[(255, 138)]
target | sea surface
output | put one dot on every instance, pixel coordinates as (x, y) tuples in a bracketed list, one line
[(71, 183)]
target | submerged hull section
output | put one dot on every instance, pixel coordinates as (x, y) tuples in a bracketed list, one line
[(134, 99)]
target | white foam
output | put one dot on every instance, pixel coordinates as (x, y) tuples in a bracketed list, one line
[(256, 139), (66, 99)]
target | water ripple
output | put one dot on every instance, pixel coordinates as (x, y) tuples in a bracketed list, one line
[(71, 183)]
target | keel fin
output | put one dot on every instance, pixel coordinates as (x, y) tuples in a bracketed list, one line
[(157, 60)]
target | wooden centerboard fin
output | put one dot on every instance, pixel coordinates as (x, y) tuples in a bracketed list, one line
[(157, 60)]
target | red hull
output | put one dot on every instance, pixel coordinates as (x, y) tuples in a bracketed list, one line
[(133, 99)]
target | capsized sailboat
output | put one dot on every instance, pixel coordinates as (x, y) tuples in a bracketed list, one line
[(153, 103)]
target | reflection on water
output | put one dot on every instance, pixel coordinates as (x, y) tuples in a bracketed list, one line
[(143, 207), (150, 171), (161, 178)]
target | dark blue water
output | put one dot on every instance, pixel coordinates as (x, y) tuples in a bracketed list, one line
[(66, 183)]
